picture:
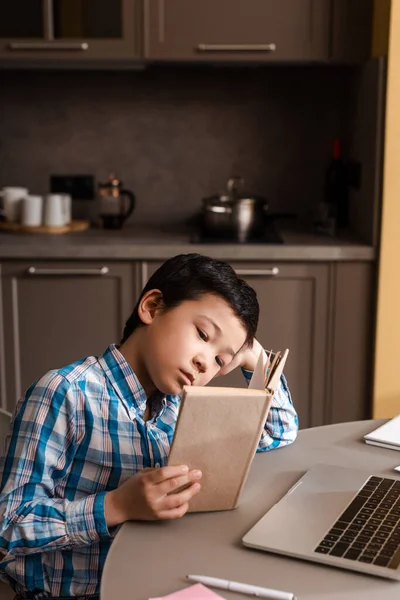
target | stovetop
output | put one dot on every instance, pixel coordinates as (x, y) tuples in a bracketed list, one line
[(270, 236)]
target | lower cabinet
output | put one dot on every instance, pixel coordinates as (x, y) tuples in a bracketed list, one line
[(294, 309), (322, 312), (350, 352), (56, 312), (294, 305)]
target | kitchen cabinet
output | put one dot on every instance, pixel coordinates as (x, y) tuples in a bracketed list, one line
[(108, 33), (243, 30), (61, 31), (351, 30), (323, 313), (56, 312), (350, 352), (294, 303), (2, 350)]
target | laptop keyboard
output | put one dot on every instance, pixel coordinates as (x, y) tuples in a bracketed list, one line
[(369, 529)]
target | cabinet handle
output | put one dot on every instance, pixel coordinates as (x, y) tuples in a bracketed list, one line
[(273, 272), (48, 46), (66, 272), (236, 47)]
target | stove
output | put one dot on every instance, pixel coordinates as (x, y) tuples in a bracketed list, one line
[(270, 236)]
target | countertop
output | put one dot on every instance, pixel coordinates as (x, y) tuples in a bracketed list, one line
[(139, 243)]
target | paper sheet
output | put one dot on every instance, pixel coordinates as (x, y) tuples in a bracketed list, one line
[(261, 379), (193, 592)]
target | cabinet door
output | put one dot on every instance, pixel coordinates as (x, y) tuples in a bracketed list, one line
[(69, 30), (349, 395), (55, 313), (352, 24), (3, 393), (293, 314), (215, 30), (22, 19), (294, 304)]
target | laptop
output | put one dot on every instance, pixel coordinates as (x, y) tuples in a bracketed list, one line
[(336, 516)]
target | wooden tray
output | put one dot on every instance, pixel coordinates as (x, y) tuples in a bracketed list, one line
[(18, 228)]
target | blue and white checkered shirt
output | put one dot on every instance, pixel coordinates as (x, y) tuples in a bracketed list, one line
[(77, 433)]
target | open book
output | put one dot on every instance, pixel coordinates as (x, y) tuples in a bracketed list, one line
[(218, 431)]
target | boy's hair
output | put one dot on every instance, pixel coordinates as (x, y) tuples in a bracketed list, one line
[(191, 276)]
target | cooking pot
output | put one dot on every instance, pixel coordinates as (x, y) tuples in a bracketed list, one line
[(234, 214)]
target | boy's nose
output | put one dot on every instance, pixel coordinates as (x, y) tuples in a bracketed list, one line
[(200, 364)]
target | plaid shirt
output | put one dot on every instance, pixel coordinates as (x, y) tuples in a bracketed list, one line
[(77, 433)]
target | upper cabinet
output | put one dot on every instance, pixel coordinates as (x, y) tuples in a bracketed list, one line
[(237, 30), (351, 30), (131, 32), (55, 31)]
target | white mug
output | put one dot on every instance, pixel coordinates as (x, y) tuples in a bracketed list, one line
[(12, 202), (53, 213), (67, 208), (31, 211)]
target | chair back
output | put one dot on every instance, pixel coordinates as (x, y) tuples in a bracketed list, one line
[(4, 428)]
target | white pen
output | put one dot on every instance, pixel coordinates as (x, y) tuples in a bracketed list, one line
[(244, 588)]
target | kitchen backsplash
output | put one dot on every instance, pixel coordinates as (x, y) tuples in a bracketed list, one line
[(174, 135)]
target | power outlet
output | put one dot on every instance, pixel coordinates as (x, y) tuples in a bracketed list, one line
[(80, 187)]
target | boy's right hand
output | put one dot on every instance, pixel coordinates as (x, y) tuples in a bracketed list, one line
[(144, 496)]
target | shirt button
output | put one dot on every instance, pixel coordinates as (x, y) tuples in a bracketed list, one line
[(157, 465)]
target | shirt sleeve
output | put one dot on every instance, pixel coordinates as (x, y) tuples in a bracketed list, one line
[(282, 424), (34, 514)]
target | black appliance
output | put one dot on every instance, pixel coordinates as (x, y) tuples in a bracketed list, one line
[(270, 236)]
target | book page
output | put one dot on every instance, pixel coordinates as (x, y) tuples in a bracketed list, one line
[(261, 379), (258, 378)]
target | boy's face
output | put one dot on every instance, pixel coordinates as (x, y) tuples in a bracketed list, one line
[(189, 344)]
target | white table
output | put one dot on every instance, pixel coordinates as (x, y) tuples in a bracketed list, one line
[(150, 559)]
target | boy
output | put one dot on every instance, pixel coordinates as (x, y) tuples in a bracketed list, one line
[(90, 441)]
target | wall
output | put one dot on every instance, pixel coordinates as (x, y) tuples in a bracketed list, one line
[(386, 399), (174, 135)]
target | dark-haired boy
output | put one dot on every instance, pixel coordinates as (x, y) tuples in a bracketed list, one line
[(90, 441)]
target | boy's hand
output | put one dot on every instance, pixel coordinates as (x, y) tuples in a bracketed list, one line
[(246, 358), (144, 496)]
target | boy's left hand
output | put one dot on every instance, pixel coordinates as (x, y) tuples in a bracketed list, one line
[(246, 359)]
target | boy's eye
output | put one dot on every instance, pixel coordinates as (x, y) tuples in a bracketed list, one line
[(202, 334), (219, 361)]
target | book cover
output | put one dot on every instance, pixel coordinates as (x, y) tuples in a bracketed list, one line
[(218, 431)]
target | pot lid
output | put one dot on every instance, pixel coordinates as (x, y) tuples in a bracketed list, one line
[(233, 193)]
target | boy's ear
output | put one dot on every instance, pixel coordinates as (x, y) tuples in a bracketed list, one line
[(151, 302)]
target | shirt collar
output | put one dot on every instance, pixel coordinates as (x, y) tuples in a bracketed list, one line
[(123, 379)]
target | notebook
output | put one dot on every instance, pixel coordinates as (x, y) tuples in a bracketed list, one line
[(218, 431), (193, 592), (386, 436)]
